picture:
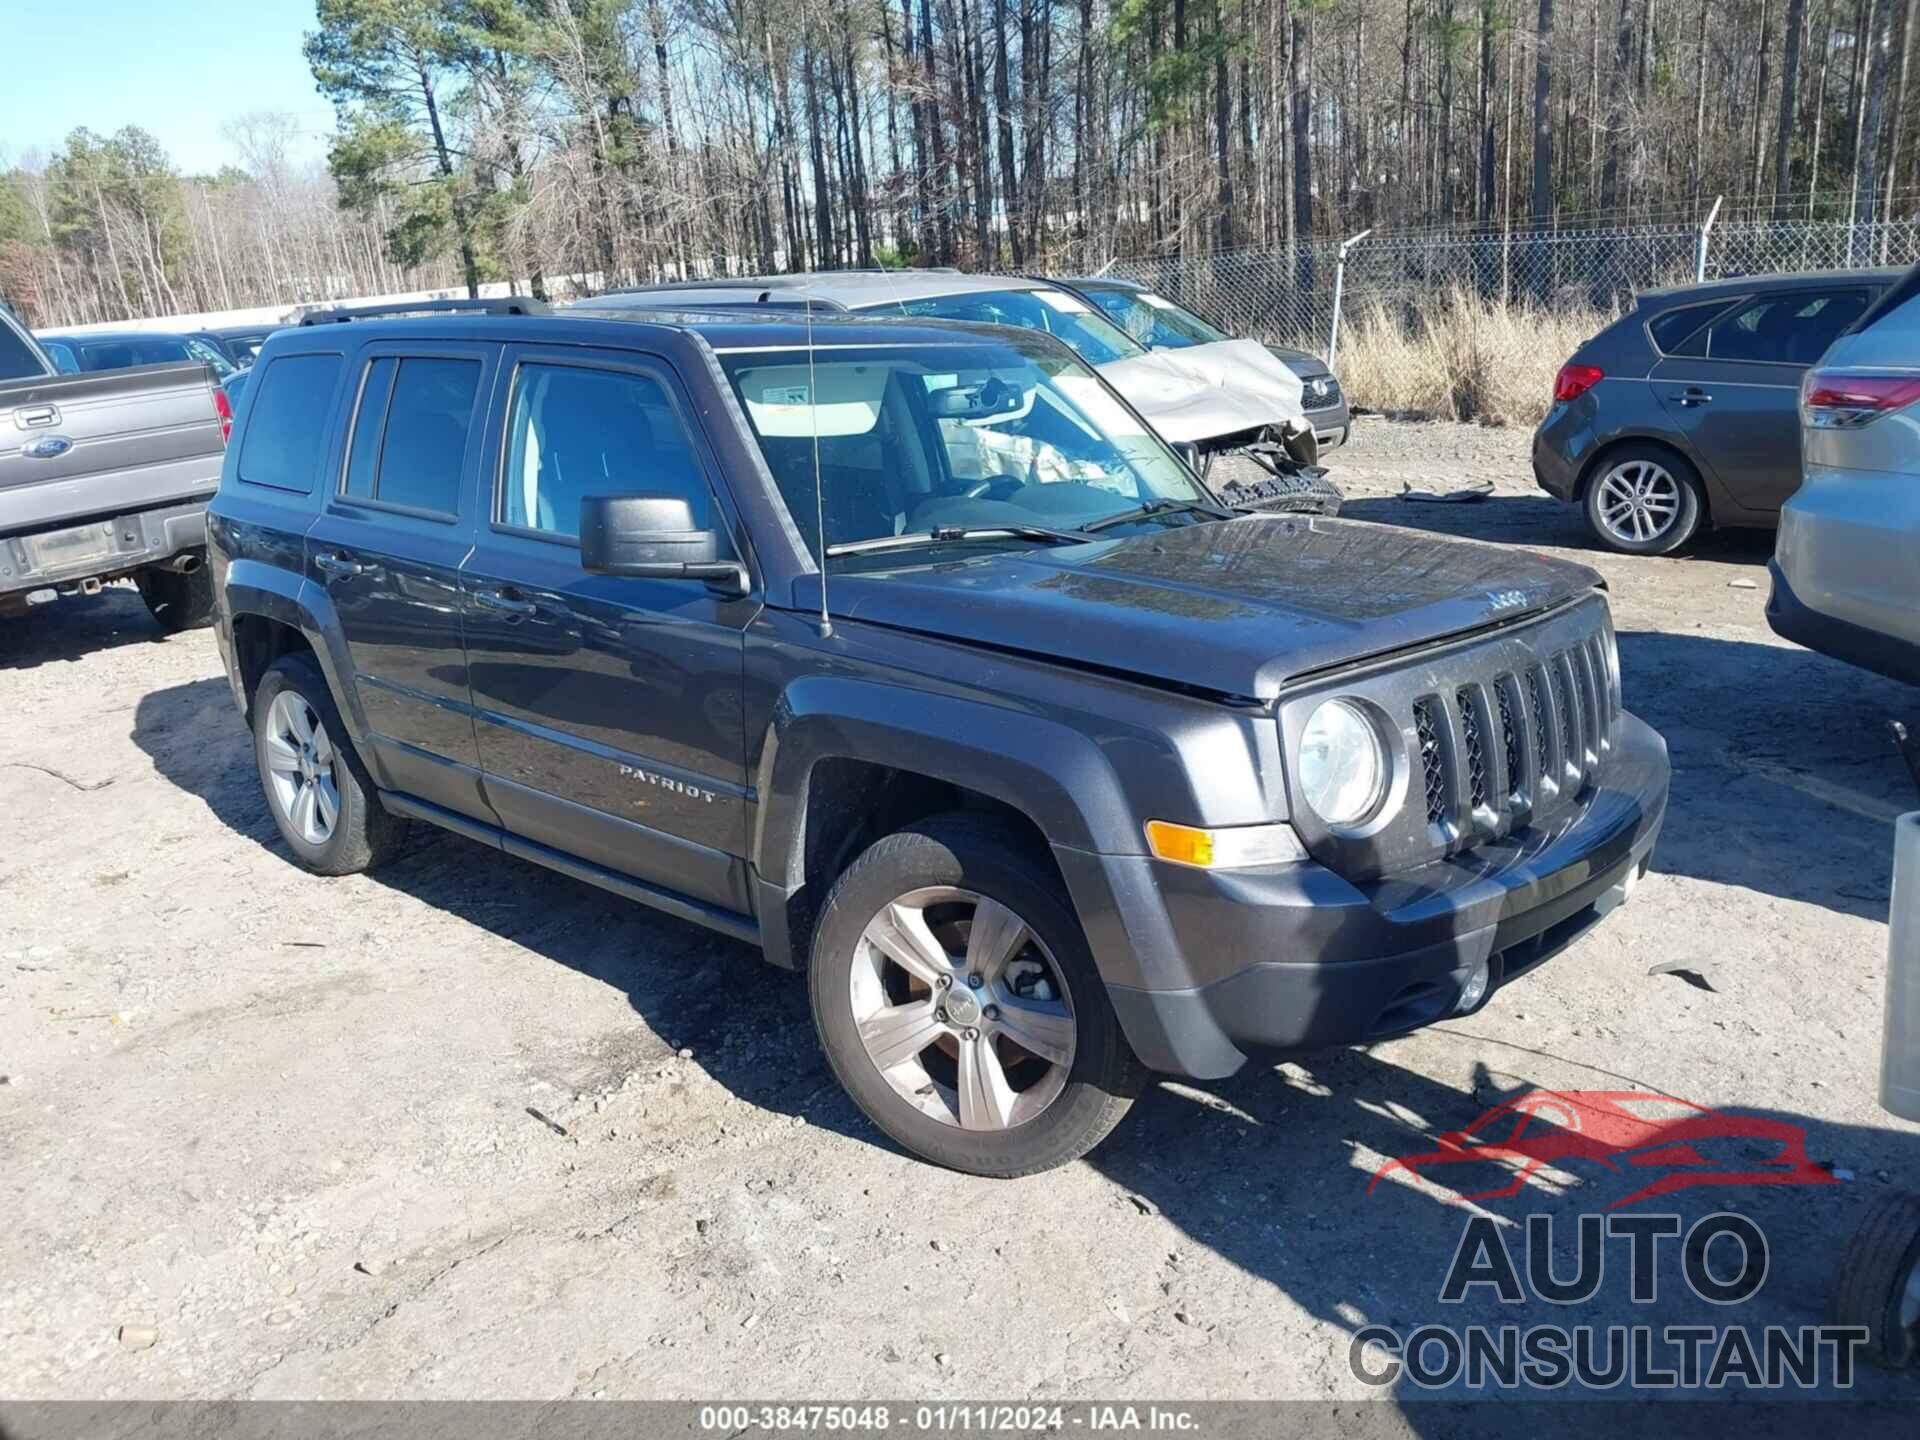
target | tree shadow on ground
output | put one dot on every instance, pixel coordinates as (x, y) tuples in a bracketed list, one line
[(1271, 1171), (1785, 778), (748, 1024), (76, 627), (1540, 520)]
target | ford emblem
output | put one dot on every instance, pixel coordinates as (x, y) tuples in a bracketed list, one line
[(47, 447)]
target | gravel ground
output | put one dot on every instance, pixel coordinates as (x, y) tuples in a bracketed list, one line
[(470, 1129)]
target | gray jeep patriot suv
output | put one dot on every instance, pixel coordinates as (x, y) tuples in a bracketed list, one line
[(907, 652)]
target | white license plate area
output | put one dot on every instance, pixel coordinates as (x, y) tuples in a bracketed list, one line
[(60, 549)]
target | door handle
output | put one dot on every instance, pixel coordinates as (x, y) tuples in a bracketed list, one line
[(506, 604), (1694, 395), (338, 565)]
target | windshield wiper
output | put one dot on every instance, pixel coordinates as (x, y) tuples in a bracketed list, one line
[(1157, 507), (943, 533)]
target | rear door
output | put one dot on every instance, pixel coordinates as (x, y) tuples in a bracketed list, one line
[(608, 709), (388, 548), (1734, 390)]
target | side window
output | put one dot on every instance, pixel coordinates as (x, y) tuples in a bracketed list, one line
[(207, 355), (1791, 329), (370, 418), (1673, 329), (286, 425), (576, 432), (17, 360), (409, 440)]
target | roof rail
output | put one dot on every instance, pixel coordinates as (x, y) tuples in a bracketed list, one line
[(508, 305), (773, 300)]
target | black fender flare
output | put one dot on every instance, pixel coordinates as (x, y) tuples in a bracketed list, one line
[(1048, 772), (256, 588)]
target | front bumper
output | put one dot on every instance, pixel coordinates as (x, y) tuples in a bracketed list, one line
[(1332, 426), (1207, 968)]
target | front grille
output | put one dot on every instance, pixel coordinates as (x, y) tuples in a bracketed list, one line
[(1500, 735), (1510, 731), (1601, 662), (1581, 662), (1475, 753), (1433, 763), (1319, 392), (1537, 705), (1563, 713), (1550, 752)]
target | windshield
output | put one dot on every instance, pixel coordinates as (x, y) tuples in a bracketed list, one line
[(1093, 338), (1153, 320), (932, 437)]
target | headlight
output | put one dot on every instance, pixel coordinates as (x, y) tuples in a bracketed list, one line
[(1343, 769)]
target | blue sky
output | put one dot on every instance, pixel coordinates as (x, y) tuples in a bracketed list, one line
[(178, 68)]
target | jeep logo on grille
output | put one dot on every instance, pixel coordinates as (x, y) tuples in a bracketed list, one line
[(1506, 599)]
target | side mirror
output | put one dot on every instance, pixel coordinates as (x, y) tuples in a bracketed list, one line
[(652, 537)]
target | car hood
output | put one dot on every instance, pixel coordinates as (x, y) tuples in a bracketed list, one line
[(1245, 366), (1235, 607), (1197, 401), (1300, 362)]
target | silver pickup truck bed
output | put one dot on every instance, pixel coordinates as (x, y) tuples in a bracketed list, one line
[(104, 475)]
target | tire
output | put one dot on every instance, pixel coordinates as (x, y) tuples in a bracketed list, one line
[(361, 833), (1879, 1276), (1666, 484), (179, 600), (1060, 1111)]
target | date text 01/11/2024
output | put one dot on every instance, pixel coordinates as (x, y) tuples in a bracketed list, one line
[(946, 1418)]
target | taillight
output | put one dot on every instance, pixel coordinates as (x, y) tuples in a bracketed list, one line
[(1836, 400), (1573, 381), (223, 407)]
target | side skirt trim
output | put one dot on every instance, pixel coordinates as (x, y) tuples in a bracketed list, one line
[(727, 922)]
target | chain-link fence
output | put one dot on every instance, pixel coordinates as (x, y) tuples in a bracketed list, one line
[(1395, 294)]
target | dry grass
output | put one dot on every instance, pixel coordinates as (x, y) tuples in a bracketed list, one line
[(1464, 359)]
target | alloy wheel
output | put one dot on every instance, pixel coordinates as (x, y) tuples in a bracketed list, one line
[(300, 768), (1639, 501), (962, 1009)]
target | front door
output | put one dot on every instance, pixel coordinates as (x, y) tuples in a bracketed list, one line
[(608, 709), (388, 548), (1736, 396)]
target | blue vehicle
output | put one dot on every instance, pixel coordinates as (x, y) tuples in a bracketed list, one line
[(86, 351)]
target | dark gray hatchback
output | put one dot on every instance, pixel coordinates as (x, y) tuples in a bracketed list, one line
[(1685, 411)]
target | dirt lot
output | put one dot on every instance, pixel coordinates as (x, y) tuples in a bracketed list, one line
[(471, 1129)]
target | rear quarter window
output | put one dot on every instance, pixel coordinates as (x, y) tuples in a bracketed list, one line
[(288, 408), (1671, 329)]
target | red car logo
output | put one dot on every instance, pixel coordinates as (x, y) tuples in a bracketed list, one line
[(1621, 1130)]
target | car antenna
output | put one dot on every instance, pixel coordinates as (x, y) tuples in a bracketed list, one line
[(819, 503)]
